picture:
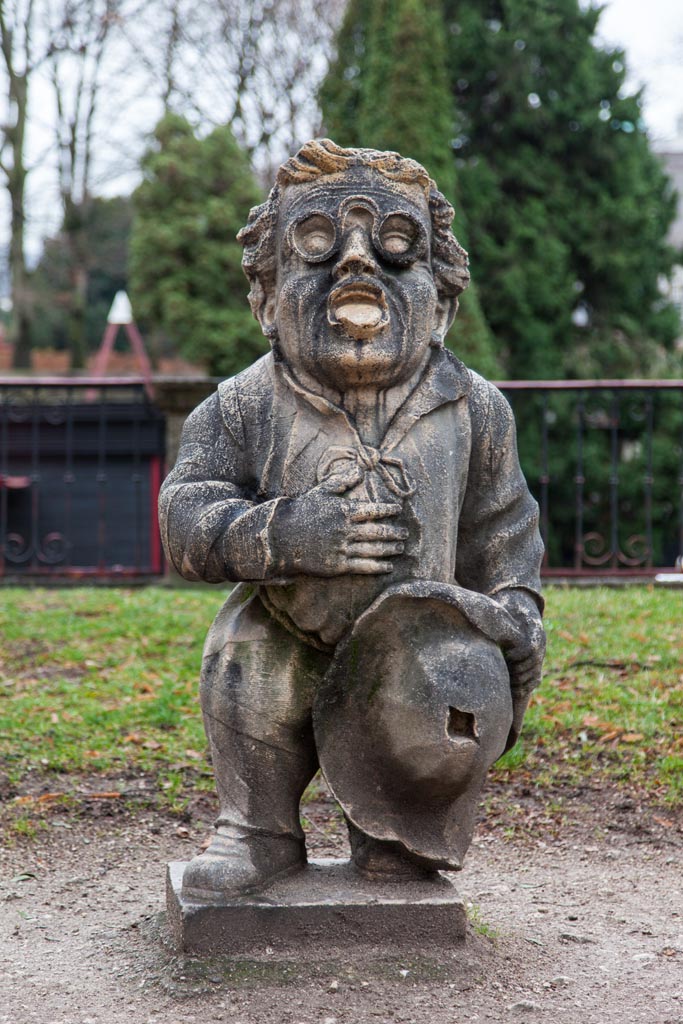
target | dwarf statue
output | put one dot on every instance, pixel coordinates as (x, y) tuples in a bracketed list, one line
[(362, 487)]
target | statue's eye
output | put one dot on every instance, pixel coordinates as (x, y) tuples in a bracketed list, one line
[(401, 238), (314, 237)]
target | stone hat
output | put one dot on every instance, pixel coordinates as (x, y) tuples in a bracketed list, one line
[(411, 713)]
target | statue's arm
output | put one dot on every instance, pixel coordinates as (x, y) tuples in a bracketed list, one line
[(212, 527), (499, 544)]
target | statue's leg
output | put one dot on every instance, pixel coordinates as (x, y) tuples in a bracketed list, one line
[(257, 687)]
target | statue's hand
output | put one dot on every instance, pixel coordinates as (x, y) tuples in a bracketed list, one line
[(323, 533), (525, 659)]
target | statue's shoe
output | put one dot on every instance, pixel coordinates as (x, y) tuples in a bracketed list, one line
[(234, 866)]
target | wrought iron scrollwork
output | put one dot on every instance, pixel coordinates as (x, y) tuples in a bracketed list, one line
[(18, 550), (596, 551), (51, 550)]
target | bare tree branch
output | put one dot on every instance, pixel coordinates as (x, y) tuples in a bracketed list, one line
[(112, 67)]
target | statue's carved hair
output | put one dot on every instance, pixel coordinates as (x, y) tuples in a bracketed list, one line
[(321, 157)]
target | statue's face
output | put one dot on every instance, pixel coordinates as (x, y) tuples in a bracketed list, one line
[(355, 302)]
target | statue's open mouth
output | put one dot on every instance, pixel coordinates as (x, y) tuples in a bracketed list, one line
[(359, 308)]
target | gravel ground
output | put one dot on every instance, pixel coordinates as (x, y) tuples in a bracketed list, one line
[(577, 918)]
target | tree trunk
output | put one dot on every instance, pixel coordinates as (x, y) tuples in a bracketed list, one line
[(77, 328), (74, 229), (20, 325)]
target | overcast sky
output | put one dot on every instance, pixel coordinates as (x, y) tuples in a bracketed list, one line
[(651, 32)]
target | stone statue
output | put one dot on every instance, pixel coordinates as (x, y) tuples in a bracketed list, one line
[(363, 489)]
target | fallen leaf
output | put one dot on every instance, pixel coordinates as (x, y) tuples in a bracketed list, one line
[(607, 737), (632, 737)]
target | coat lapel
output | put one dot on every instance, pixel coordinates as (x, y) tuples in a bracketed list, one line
[(445, 380)]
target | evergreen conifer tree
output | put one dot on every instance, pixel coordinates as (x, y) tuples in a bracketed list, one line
[(389, 89), (104, 239), (567, 206), (185, 263)]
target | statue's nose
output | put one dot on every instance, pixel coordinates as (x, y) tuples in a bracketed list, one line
[(356, 255)]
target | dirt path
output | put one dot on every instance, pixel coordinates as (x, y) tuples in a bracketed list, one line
[(578, 923)]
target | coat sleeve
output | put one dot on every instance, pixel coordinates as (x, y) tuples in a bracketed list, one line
[(499, 544), (212, 528)]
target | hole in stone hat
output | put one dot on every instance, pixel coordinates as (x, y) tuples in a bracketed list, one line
[(462, 724)]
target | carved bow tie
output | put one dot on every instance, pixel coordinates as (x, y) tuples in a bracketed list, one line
[(389, 468)]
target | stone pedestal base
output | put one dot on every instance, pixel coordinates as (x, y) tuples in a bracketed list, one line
[(328, 904)]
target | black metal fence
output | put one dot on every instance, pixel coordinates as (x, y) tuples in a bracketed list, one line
[(604, 458), (81, 463)]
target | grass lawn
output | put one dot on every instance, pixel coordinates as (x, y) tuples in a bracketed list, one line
[(97, 681), (611, 702)]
